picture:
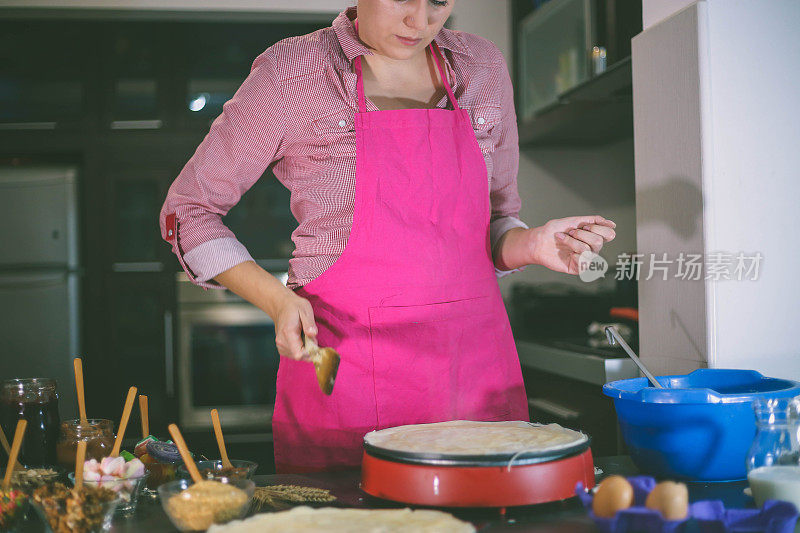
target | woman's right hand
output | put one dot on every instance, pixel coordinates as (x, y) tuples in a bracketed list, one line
[(293, 316)]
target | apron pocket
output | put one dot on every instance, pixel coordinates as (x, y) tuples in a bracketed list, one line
[(434, 362), (336, 132)]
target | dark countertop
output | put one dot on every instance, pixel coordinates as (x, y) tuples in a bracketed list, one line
[(557, 517)]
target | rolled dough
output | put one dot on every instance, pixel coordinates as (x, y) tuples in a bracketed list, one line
[(332, 520)]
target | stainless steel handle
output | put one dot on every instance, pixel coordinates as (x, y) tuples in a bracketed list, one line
[(142, 266), (136, 124), (613, 336), (29, 281), (28, 126), (169, 355), (552, 408)]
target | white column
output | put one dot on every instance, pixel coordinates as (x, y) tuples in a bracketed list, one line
[(717, 147)]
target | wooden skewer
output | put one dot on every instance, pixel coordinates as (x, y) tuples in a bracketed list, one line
[(145, 416), (80, 457), (15, 446), (77, 363), (123, 423), (175, 433), (223, 453), (7, 448)]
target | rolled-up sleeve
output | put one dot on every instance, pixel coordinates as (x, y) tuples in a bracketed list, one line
[(504, 194), (242, 142)]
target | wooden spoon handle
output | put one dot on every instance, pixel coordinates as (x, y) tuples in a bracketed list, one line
[(175, 433), (223, 453), (7, 446), (145, 415), (123, 423), (77, 363), (80, 458), (16, 444)]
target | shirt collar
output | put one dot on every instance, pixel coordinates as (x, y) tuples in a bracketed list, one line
[(345, 32)]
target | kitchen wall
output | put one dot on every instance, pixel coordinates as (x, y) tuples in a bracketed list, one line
[(560, 182), (487, 18), (717, 130), (654, 11)]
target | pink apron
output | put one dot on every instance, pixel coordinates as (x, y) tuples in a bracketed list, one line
[(412, 305)]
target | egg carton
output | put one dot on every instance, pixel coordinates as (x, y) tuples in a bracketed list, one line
[(707, 516)]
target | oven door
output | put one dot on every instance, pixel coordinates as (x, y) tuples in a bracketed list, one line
[(227, 360)]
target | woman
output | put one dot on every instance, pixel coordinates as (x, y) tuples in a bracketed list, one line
[(398, 141)]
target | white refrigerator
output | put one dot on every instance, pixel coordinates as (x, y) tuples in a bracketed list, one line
[(40, 276)]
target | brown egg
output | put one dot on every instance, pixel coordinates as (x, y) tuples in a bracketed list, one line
[(671, 498), (613, 494)]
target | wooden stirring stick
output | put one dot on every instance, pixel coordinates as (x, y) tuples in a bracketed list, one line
[(80, 458), (7, 448), (123, 423), (15, 446), (223, 453), (78, 365), (145, 416), (177, 438)]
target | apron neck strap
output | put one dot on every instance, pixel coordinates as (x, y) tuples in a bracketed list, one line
[(435, 53), (362, 100)]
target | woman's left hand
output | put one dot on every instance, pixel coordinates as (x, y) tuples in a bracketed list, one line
[(559, 244)]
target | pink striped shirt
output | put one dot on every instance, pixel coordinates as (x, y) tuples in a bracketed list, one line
[(295, 112)]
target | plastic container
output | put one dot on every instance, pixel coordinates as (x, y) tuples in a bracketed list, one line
[(704, 516), (699, 427)]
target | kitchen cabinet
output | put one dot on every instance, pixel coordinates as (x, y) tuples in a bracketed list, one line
[(212, 60), (46, 80), (135, 75), (573, 76), (138, 350)]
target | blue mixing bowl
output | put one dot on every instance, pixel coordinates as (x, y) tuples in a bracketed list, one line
[(699, 427)]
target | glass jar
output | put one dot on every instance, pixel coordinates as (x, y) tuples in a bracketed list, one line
[(773, 461), (776, 440), (35, 400), (98, 434)]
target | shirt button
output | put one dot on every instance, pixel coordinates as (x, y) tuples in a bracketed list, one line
[(481, 120), (169, 233), (342, 123)]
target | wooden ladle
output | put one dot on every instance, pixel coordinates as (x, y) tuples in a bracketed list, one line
[(223, 453), (177, 438), (326, 363), (77, 363), (123, 423), (16, 444)]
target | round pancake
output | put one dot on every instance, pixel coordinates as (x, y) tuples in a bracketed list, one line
[(465, 437)]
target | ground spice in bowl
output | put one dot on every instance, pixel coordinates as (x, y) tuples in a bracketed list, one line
[(205, 503)]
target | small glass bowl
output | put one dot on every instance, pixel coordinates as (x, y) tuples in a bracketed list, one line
[(29, 485), (108, 510), (11, 519), (190, 512), (213, 469), (128, 490), (160, 473)]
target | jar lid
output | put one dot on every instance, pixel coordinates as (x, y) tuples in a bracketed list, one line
[(28, 383)]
